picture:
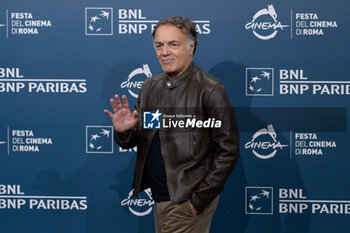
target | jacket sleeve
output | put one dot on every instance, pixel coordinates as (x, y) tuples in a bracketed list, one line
[(128, 139), (226, 138)]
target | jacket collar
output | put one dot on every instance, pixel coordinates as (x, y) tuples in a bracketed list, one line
[(171, 83)]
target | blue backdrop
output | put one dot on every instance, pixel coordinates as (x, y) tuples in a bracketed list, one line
[(283, 64)]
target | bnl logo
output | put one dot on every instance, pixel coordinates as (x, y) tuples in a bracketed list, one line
[(99, 139), (151, 120), (259, 81), (98, 21), (259, 200)]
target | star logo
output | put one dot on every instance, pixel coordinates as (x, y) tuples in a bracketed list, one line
[(98, 21), (259, 81), (99, 139), (105, 132), (105, 14), (93, 19), (265, 193), (265, 74), (151, 120), (94, 137), (254, 198), (259, 200), (155, 115)]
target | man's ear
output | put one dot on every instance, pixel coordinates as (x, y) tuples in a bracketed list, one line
[(192, 49)]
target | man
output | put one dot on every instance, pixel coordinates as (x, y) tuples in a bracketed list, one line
[(185, 167)]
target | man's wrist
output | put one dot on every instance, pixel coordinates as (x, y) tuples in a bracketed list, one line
[(123, 135)]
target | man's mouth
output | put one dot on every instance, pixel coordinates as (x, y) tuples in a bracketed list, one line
[(166, 61)]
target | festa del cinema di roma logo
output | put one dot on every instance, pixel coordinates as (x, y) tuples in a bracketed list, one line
[(132, 83), (264, 23), (261, 144), (142, 206)]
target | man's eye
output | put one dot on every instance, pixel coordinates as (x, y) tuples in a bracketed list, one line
[(158, 46), (175, 44)]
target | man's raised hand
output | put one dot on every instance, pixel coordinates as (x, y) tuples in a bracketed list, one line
[(123, 120)]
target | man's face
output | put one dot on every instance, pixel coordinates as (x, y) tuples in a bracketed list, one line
[(172, 50)]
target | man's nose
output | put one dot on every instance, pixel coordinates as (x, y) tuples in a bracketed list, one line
[(165, 50)]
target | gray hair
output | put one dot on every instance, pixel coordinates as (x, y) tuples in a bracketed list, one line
[(184, 24)]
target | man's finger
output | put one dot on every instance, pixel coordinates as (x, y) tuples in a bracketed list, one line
[(125, 102), (118, 102), (108, 113), (135, 114), (113, 105)]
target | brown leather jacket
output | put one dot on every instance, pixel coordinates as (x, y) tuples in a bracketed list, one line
[(198, 161)]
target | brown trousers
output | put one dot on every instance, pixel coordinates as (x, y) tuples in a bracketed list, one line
[(170, 217)]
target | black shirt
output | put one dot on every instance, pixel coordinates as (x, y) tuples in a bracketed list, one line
[(155, 171)]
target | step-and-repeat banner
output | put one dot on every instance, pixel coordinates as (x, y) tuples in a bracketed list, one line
[(284, 65)]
